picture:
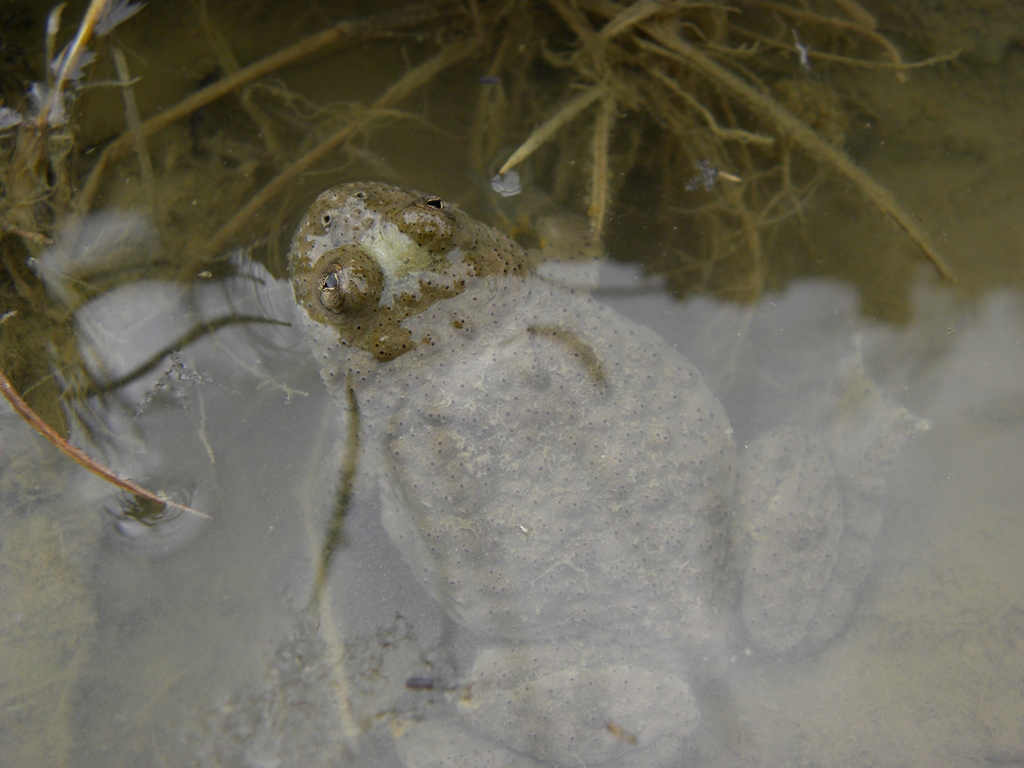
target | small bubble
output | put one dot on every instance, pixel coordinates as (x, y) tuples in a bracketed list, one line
[(506, 184)]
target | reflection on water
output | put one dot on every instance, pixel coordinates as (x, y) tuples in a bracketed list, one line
[(195, 647)]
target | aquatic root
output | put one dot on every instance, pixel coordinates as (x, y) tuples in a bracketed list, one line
[(409, 82), (599, 182), (549, 127), (354, 28), (675, 48)]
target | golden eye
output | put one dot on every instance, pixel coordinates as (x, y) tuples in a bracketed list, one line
[(430, 222), (350, 281)]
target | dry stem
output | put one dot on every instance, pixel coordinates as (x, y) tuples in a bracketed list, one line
[(78, 456), (599, 173), (131, 116), (725, 134), (321, 548), (856, 12), (550, 127), (82, 37), (634, 14)]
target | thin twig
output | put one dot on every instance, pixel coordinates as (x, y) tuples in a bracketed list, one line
[(850, 26), (78, 456), (197, 332), (131, 116), (576, 20), (322, 606), (852, 61), (634, 14), (35, 237), (599, 172), (725, 134), (335, 536), (931, 61), (550, 127), (857, 12)]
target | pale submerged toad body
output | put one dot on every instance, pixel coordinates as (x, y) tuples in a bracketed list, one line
[(565, 485)]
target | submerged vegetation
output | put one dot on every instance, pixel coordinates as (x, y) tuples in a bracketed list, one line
[(705, 127)]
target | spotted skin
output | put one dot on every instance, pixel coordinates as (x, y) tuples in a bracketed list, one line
[(564, 484)]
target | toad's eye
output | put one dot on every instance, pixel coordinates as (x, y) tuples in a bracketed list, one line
[(349, 281), (430, 222)]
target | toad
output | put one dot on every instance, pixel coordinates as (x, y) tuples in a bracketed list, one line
[(565, 485)]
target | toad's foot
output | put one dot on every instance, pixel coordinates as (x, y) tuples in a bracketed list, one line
[(809, 511), (553, 706)]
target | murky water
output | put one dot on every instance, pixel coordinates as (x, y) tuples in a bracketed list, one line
[(191, 642)]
